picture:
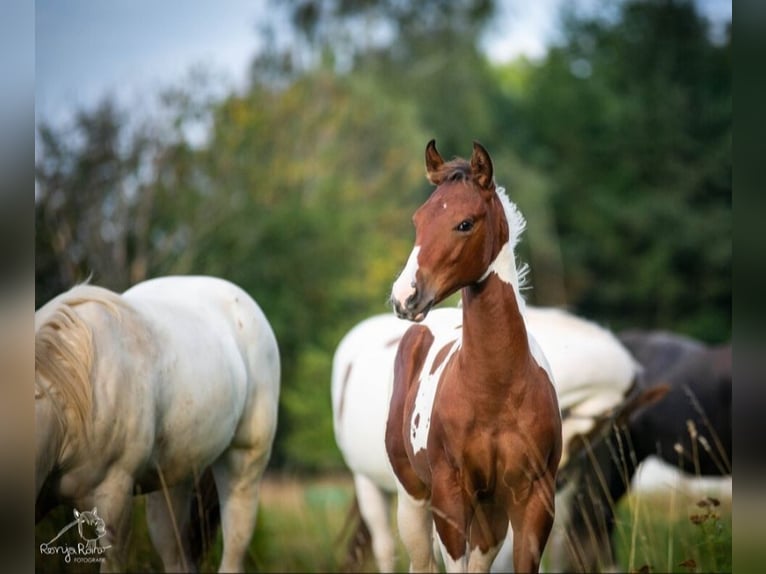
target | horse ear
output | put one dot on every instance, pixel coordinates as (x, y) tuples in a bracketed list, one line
[(76, 514), (481, 166), (433, 162), (94, 511)]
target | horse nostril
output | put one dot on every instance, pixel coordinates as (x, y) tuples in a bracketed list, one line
[(412, 299)]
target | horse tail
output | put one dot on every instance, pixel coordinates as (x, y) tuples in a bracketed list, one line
[(204, 516), (359, 545)]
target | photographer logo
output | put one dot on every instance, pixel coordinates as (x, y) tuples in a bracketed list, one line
[(90, 528)]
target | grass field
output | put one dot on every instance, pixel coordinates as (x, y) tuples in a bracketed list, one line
[(674, 532), (301, 520)]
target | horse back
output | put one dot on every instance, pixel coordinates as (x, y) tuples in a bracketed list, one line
[(193, 311)]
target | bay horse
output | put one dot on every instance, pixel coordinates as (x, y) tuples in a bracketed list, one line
[(592, 371), (474, 429), (139, 393), (690, 429)]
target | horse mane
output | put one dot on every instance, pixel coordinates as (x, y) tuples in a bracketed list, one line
[(64, 354), (505, 263), (517, 223)]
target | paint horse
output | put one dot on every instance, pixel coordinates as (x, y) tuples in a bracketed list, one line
[(140, 392), (474, 430), (690, 429), (592, 372)]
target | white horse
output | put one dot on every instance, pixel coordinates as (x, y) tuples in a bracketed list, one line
[(140, 392), (592, 373)]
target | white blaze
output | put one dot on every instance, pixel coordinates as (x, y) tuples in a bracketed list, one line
[(404, 286)]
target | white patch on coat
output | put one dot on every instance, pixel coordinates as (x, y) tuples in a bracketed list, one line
[(424, 401), (539, 355), (404, 286)]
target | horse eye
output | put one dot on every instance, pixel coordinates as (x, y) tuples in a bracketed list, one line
[(465, 225)]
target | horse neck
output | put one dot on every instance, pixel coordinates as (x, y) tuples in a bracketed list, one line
[(494, 332)]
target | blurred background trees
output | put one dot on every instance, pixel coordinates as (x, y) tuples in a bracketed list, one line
[(616, 146)]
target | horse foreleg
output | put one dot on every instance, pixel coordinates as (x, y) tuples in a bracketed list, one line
[(113, 499), (532, 521), (237, 477), (374, 508), (167, 515), (487, 535), (452, 514), (415, 529)]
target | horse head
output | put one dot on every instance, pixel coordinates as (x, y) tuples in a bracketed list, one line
[(459, 231)]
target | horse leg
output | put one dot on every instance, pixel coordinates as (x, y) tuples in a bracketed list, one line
[(487, 535), (451, 517), (374, 508), (504, 559), (113, 499), (415, 529), (532, 521), (237, 477), (167, 515), (559, 549)]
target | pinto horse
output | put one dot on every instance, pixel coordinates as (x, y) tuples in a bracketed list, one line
[(689, 429), (592, 370), (139, 393), (474, 429)]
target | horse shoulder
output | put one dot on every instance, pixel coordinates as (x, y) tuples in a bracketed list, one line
[(410, 358)]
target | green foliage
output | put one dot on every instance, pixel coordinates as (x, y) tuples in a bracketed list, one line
[(303, 197), (632, 120)]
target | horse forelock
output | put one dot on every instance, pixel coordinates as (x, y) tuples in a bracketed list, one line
[(64, 355), (455, 170)]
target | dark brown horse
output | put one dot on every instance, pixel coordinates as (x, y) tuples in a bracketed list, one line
[(690, 429), (474, 429)]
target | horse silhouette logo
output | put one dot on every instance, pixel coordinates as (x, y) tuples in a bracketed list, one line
[(90, 526)]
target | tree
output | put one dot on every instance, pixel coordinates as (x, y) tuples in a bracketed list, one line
[(93, 203), (302, 195), (632, 120)]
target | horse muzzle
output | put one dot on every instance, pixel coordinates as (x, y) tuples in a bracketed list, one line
[(415, 307)]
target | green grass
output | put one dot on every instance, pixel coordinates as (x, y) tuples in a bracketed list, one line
[(300, 523), (674, 532)]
